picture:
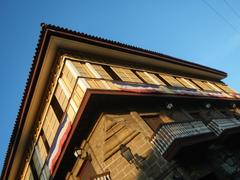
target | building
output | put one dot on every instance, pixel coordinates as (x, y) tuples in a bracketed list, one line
[(98, 109)]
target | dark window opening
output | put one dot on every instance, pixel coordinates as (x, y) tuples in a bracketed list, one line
[(139, 77), (34, 171), (163, 80), (45, 141), (111, 73), (196, 84), (57, 108)]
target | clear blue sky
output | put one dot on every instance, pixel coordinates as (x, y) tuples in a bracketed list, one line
[(186, 29)]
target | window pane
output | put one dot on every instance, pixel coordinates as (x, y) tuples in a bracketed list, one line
[(38, 163), (99, 69), (126, 75), (171, 80), (202, 85), (45, 175), (77, 95), (82, 69), (68, 78), (187, 83), (56, 108), (155, 79), (214, 87), (50, 125), (150, 78), (225, 88), (61, 97), (42, 150)]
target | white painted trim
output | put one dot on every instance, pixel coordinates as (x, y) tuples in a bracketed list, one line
[(74, 106), (83, 84)]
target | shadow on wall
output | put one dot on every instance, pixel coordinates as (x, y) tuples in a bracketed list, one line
[(200, 162)]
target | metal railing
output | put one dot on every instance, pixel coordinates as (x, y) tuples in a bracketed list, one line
[(218, 126), (104, 176), (169, 132)]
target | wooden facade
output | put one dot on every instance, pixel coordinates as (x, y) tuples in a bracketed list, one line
[(87, 97)]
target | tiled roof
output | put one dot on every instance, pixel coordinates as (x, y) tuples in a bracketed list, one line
[(36, 64)]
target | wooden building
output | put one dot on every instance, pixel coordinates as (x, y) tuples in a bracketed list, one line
[(95, 109)]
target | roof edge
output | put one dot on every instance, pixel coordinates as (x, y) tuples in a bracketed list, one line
[(74, 35), (45, 33)]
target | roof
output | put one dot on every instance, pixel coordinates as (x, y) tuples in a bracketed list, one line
[(46, 32)]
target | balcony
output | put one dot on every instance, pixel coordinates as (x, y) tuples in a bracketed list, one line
[(220, 126), (104, 176), (172, 137)]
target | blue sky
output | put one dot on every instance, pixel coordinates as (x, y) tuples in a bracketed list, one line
[(186, 29)]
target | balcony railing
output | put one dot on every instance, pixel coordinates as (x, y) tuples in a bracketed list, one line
[(104, 176), (169, 133), (218, 126)]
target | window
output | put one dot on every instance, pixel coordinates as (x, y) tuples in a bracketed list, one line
[(214, 87), (33, 170), (225, 88), (37, 161), (98, 71), (126, 75), (56, 108), (113, 75), (50, 125), (44, 139), (61, 96), (68, 78), (150, 78), (77, 95), (45, 173), (171, 80), (82, 69), (187, 83), (202, 85), (71, 113), (41, 150)]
